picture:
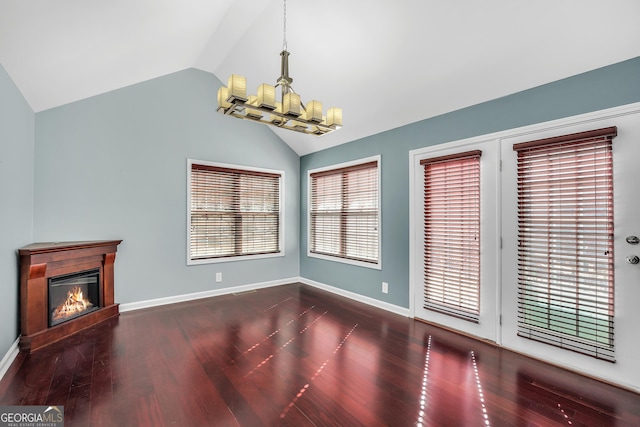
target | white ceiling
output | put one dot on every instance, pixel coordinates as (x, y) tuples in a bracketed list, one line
[(386, 63)]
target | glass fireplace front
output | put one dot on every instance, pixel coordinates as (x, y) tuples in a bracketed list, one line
[(73, 295)]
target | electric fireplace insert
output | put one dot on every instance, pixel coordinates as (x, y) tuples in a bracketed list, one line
[(73, 295)]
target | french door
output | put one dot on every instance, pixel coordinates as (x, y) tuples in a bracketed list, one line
[(503, 284), (454, 233)]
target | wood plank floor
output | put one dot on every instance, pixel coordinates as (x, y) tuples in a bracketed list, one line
[(297, 356)]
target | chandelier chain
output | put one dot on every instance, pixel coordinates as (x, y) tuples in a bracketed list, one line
[(284, 29)]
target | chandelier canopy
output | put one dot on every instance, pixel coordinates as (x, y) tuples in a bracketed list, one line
[(285, 111)]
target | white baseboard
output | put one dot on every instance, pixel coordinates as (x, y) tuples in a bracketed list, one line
[(8, 358), (244, 288), (357, 297), (206, 294)]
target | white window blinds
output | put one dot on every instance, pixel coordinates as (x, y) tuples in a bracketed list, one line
[(344, 213), (233, 212), (452, 234), (565, 242)]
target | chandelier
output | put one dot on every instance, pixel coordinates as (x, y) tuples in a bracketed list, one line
[(287, 111)]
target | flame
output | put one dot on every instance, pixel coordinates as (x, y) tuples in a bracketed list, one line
[(75, 303)]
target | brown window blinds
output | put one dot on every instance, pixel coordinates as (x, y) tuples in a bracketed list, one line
[(233, 212), (452, 234), (565, 242), (344, 217)]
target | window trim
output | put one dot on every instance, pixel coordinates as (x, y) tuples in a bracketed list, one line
[(378, 159), (249, 169)]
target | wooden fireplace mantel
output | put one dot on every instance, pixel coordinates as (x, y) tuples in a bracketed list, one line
[(41, 261)]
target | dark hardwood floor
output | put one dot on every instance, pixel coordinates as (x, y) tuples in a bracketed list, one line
[(297, 356)]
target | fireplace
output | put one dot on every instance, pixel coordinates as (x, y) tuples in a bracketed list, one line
[(65, 287), (73, 295)]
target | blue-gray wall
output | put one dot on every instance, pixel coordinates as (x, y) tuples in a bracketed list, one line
[(16, 200), (114, 167), (611, 86)]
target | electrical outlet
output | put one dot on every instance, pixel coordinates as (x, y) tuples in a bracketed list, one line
[(218, 277), (385, 288)]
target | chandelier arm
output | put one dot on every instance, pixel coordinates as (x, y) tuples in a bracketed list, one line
[(238, 109)]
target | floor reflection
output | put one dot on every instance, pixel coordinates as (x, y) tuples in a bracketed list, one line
[(451, 389), (424, 392), (316, 374), (541, 399), (485, 415)]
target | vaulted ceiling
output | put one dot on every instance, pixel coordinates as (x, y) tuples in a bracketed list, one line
[(386, 63)]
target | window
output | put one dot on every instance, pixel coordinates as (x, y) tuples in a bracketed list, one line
[(565, 242), (452, 234), (345, 213), (233, 212)]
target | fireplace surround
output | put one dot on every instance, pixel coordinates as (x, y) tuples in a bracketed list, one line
[(78, 273)]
